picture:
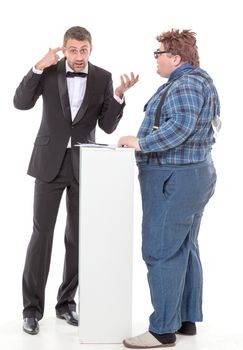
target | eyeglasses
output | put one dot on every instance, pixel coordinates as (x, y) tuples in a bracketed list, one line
[(157, 53), (74, 52)]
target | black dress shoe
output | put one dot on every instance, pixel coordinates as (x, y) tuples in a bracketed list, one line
[(187, 328), (31, 325), (70, 316)]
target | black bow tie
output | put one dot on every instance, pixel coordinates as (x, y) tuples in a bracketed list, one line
[(76, 74)]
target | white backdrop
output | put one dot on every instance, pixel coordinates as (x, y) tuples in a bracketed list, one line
[(124, 40)]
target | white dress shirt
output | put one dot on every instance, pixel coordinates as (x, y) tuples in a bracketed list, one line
[(76, 90)]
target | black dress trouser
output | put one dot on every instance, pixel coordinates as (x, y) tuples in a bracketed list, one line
[(47, 198)]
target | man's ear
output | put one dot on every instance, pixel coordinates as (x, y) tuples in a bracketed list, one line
[(177, 60)]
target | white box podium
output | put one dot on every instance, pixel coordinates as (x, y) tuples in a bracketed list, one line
[(105, 244)]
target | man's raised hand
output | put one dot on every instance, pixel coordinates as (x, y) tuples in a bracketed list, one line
[(50, 58), (126, 83)]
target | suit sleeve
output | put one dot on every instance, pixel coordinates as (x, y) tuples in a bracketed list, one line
[(111, 112), (28, 91)]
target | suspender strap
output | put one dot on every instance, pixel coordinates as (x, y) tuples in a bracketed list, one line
[(162, 100)]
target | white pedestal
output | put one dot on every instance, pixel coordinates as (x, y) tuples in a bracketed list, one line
[(105, 248)]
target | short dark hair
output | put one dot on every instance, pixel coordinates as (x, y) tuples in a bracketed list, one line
[(181, 43), (77, 33)]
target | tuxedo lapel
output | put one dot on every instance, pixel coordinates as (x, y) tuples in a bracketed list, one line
[(63, 90), (87, 95)]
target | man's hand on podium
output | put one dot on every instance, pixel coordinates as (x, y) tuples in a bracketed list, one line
[(129, 141)]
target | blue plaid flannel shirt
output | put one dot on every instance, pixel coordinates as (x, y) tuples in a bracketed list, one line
[(185, 134)]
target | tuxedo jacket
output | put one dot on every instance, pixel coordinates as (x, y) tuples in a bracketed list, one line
[(98, 107)]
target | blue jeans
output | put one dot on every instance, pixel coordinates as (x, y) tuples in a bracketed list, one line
[(173, 201)]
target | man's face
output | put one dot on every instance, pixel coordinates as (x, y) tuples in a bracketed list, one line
[(77, 54), (165, 63)]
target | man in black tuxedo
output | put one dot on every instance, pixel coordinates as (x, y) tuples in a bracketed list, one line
[(77, 96)]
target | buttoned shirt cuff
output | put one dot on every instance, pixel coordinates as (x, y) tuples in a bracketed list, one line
[(37, 71), (119, 100)]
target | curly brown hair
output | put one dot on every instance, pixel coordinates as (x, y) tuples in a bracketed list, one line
[(181, 43)]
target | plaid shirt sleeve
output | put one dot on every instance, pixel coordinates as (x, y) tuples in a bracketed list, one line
[(179, 116)]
